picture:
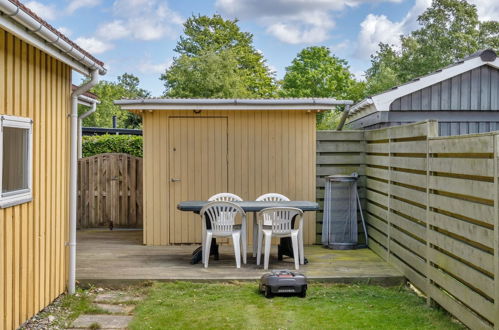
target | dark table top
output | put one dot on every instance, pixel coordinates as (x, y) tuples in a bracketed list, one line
[(252, 206)]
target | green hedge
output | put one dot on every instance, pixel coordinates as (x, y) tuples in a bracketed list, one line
[(99, 144)]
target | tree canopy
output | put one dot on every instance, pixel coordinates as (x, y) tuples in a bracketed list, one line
[(449, 30), (126, 86), (217, 59), (315, 72)]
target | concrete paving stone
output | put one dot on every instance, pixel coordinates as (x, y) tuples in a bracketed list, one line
[(116, 297), (105, 321), (115, 309)]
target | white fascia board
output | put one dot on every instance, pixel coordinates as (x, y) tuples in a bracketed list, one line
[(19, 31), (362, 112), (224, 107), (361, 105), (383, 101)]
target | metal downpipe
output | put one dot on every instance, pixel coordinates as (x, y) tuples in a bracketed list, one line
[(73, 189)]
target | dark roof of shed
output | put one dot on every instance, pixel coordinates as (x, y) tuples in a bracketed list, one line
[(488, 55)]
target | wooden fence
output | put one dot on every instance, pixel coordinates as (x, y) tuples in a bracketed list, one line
[(432, 206), (110, 190), (339, 153)]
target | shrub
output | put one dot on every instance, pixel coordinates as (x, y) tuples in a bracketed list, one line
[(99, 144)]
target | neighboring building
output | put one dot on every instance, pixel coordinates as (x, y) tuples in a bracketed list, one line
[(194, 148), (110, 131), (36, 63), (463, 97)]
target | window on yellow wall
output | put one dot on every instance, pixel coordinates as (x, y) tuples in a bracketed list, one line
[(16, 165)]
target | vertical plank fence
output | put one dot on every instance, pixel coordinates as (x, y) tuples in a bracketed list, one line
[(339, 153), (110, 191), (432, 206)]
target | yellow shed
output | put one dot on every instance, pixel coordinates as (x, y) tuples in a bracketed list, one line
[(194, 148), (36, 64)]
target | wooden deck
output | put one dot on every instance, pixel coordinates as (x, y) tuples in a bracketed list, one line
[(118, 257)]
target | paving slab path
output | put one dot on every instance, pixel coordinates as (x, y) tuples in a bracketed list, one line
[(118, 307)]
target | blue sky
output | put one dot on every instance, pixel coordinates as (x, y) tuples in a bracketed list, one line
[(138, 36)]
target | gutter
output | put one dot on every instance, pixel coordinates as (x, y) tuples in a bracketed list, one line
[(31, 28), (93, 104), (201, 102), (311, 104), (73, 177)]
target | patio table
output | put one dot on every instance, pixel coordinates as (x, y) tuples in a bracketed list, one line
[(284, 247)]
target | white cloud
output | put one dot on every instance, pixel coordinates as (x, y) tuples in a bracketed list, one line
[(312, 27), (64, 30), (74, 5), (292, 21), (341, 46), (47, 12), (360, 75), (141, 19), (94, 45), (113, 30), (487, 9), (375, 29), (156, 68), (379, 28)]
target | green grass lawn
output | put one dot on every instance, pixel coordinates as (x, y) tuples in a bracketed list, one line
[(184, 305)]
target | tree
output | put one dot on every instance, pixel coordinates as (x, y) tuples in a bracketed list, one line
[(213, 48), (449, 30), (315, 72), (127, 86), (209, 75)]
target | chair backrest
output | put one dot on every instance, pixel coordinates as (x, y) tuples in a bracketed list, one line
[(272, 197), (222, 215), (280, 218), (225, 197)]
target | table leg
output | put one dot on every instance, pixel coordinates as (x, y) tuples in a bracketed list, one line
[(255, 235), (197, 254)]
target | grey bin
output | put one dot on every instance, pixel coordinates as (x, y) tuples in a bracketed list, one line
[(341, 206)]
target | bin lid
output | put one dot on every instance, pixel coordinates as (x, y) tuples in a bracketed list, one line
[(343, 177)]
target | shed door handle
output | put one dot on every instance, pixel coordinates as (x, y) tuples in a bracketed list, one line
[(174, 180)]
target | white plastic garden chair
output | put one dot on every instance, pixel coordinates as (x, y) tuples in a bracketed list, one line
[(270, 197), (281, 220), (225, 197), (222, 217)]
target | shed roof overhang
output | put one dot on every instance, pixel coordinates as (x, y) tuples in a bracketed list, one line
[(311, 104), (382, 101)]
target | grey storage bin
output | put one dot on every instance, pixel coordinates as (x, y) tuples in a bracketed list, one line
[(341, 205)]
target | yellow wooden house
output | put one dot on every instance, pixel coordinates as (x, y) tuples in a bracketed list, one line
[(194, 148), (37, 139)]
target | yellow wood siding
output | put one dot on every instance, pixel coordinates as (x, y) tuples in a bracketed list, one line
[(268, 151), (33, 257)]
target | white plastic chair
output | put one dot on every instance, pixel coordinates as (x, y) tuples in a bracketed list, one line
[(270, 197), (222, 217), (280, 219), (225, 197)]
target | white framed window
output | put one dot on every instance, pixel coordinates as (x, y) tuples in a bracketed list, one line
[(16, 165)]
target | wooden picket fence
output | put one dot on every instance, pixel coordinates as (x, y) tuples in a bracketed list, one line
[(432, 207), (110, 191)]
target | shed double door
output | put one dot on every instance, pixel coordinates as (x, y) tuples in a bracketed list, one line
[(198, 169)]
